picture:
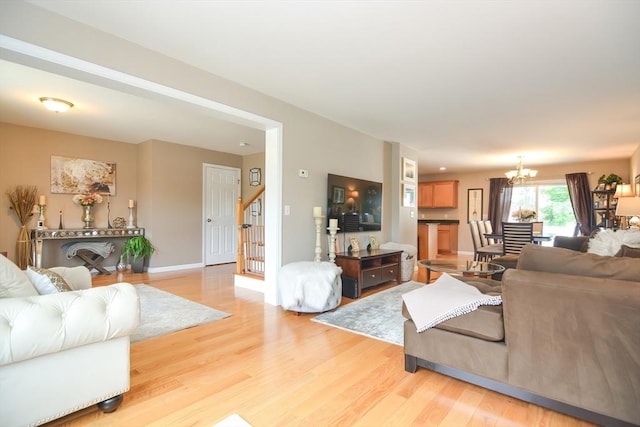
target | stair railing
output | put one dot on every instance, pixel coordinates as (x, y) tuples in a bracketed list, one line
[(249, 220)]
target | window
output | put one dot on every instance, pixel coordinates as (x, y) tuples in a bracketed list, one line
[(552, 204)]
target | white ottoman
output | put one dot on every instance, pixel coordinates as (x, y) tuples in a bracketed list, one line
[(309, 286)]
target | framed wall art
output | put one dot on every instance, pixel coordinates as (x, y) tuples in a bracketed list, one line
[(409, 195), (408, 170), (474, 204), (255, 177), (82, 176), (338, 195), (256, 208)]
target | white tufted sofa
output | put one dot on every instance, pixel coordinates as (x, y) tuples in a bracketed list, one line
[(65, 351)]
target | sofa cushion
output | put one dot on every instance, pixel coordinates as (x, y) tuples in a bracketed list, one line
[(628, 251), (47, 281), (577, 243), (566, 261), (13, 282), (485, 323)]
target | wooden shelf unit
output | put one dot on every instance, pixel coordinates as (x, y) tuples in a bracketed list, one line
[(364, 269), (603, 209)]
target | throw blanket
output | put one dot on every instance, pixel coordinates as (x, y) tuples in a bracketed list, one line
[(445, 299), (101, 248)]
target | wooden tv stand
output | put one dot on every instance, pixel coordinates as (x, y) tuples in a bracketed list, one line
[(364, 269)]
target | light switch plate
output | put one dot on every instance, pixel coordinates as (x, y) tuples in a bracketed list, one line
[(303, 173)]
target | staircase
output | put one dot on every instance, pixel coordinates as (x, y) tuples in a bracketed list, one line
[(250, 221)]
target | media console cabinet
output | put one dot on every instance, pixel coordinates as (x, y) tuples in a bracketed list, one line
[(364, 269)]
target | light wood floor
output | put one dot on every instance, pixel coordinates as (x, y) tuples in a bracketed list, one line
[(274, 368)]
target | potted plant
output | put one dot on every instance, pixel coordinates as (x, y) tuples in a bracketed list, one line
[(140, 248), (610, 181)]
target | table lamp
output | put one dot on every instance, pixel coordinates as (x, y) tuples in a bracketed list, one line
[(629, 207)]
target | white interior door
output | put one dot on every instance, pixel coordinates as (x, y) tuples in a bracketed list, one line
[(222, 188)]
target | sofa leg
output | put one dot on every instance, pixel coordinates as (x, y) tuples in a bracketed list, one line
[(110, 405), (410, 363)]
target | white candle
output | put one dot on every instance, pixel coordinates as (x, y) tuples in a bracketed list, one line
[(43, 200), (333, 223), (317, 211), (130, 203)]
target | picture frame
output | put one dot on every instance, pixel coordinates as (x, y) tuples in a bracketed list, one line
[(338, 195), (373, 242), (256, 208), (70, 175), (636, 184), (409, 171), (409, 195), (255, 176), (474, 204), (355, 244)]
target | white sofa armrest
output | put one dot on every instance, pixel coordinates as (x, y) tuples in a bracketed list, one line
[(76, 277), (35, 326)]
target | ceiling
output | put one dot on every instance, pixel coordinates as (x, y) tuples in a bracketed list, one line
[(468, 84)]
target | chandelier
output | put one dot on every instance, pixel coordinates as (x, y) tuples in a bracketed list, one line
[(520, 175)]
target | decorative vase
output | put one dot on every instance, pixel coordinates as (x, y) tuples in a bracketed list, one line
[(121, 266), (87, 217)]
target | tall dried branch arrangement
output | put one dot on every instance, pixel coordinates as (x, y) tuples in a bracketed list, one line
[(23, 199)]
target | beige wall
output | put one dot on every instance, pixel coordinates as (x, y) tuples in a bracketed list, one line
[(25, 159), (481, 180), (249, 162), (165, 179), (309, 141), (635, 165)]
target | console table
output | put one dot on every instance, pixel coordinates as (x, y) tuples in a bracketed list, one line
[(364, 269), (46, 244)]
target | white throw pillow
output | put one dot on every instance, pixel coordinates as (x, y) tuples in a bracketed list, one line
[(13, 282), (46, 281), (608, 242)]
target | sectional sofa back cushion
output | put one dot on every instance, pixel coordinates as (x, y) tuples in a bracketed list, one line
[(13, 282), (577, 243), (566, 261)]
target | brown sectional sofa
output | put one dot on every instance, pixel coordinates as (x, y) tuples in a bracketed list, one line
[(567, 336)]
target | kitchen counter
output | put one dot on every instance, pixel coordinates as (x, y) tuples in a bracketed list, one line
[(438, 221)]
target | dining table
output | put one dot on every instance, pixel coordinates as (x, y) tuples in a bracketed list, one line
[(536, 238)]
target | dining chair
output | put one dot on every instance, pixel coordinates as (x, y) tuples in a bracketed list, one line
[(482, 253), (483, 230), (537, 228), (515, 235), (489, 230)]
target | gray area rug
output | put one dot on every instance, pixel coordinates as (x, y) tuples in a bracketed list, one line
[(162, 313), (377, 316)]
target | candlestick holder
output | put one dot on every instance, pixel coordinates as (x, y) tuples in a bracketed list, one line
[(332, 243), (319, 221), (109, 212), (40, 223), (130, 224)]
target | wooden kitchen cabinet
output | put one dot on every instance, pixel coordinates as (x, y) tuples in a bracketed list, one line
[(438, 194), (448, 239)]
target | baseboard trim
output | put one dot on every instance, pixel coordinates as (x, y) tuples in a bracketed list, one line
[(175, 267), (518, 393)]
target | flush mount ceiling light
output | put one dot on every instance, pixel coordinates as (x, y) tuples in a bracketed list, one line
[(55, 104), (520, 175), (244, 144)]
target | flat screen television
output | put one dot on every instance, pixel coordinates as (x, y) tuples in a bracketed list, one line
[(355, 203)]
